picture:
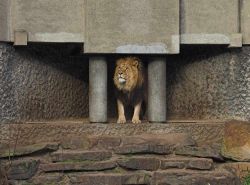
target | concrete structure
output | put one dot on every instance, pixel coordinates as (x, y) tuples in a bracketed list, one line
[(98, 89), (157, 90), (118, 26), (127, 27)]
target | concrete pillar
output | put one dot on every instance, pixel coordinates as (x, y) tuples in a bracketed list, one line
[(157, 90), (97, 89)]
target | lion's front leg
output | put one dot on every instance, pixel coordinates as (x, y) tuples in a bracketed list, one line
[(121, 113), (136, 116)]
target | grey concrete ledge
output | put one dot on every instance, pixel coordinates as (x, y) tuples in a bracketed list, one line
[(202, 132)]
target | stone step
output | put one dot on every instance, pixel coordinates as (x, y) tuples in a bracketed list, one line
[(205, 133), (78, 166), (22, 169), (191, 177), (80, 155), (187, 163), (111, 179), (18, 150)]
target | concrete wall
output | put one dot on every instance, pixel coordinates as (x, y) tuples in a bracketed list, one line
[(142, 26), (209, 83), (42, 82), (48, 21)]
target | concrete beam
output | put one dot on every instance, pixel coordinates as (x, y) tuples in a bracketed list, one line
[(157, 90), (97, 89), (4, 20)]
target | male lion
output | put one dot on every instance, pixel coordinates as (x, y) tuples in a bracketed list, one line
[(130, 83)]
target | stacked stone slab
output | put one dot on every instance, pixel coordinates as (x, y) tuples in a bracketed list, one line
[(147, 159)]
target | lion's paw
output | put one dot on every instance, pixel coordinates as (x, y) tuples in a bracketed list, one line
[(136, 121), (121, 120)]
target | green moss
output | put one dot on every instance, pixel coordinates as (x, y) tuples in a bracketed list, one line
[(246, 180)]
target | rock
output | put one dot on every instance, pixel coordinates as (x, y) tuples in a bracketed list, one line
[(30, 149), (187, 162), (110, 179), (48, 179), (200, 164), (153, 144), (144, 149), (170, 139), (191, 177), (140, 163), (236, 142), (241, 169), (205, 152), (69, 155), (75, 142), (78, 166), (22, 169), (105, 142)]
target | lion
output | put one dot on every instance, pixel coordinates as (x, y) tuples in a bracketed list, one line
[(130, 84)]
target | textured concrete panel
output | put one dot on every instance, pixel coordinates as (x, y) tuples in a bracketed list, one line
[(98, 81), (41, 82), (141, 26), (4, 20), (157, 90), (245, 21), (209, 83), (209, 22), (49, 21)]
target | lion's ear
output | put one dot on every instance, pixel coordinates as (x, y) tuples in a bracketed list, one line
[(135, 62)]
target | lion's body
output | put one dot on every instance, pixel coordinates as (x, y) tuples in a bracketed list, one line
[(130, 82)]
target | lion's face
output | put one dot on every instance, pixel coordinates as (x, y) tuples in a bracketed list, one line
[(126, 73)]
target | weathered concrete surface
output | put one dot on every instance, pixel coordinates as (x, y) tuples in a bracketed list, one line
[(142, 26), (209, 83), (157, 90), (49, 21), (53, 21), (4, 20), (71, 133), (42, 82), (98, 90), (245, 21), (236, 142), (212, 23)]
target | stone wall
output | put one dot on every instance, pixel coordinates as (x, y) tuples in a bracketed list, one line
[(172, 159), (44, 82)]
